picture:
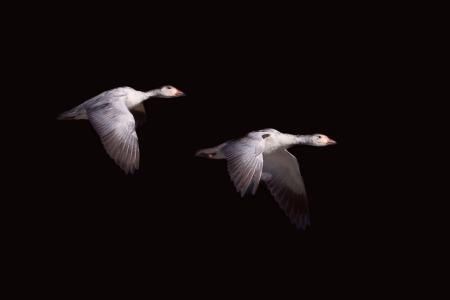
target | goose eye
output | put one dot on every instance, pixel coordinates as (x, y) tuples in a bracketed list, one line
[(320, 137), (169, 87)]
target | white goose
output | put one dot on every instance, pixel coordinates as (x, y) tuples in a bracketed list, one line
[(262, 155), (111, 113)]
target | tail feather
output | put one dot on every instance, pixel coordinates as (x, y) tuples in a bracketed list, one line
[(210, 152), (73, 114), (214, 153), (66, 116)]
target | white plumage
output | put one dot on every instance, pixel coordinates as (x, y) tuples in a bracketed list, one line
[(115, 114), (262, 155)]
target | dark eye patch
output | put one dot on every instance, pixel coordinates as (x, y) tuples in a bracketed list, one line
[(169, 87), (265, 135)]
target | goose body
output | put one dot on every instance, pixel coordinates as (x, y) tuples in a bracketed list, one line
[(262, 155), (115, 114)]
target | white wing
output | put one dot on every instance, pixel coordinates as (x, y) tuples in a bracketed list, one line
[(281, 174), (245, 160), (115, 125)]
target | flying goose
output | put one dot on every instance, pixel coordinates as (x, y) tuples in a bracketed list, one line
[(115, 115), (262, 155)]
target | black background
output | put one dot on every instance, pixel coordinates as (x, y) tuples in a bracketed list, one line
[(180, 197), (297, 71)]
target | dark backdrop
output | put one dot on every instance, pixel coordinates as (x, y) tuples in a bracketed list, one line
[(293, 75), (180, 197)]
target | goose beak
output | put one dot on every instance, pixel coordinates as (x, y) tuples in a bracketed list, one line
[(331, 142), (179, 93)]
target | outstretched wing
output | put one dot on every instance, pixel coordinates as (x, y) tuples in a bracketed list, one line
[(115, 125), (245, 161), (281, 174)]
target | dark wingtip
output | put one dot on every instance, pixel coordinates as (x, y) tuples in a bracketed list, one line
[(302, 222)]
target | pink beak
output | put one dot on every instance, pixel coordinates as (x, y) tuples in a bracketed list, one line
[(331, 142)]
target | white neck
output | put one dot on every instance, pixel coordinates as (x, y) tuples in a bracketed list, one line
[(289, 140), (136, 97), (149, 94), (302, 140)]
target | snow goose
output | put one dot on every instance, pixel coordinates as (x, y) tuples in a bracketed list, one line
[(262, 155), (115, 114)]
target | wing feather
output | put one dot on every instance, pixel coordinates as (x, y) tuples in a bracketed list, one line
[(245, 161), (116, 127), (281, 174)]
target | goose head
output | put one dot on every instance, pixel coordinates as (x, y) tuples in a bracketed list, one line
[(320, 140), (169, 91)]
